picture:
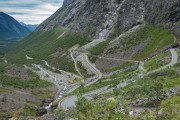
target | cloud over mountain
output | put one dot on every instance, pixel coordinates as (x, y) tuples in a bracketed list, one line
[(30, 12)]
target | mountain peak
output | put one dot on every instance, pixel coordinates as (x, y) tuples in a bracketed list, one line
[(67, 2), (22, 23), (29, 26), (11, 28), (2, 13)]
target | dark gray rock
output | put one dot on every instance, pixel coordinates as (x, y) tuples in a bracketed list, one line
[(97, 18), (173, 91), (67, 2), (140, 102)]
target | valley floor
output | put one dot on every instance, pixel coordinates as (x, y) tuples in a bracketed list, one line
[(97, 88), (68, 85)]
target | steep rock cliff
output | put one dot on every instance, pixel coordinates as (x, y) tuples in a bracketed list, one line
[(98, 18)]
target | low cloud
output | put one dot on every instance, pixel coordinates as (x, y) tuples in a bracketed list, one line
[(30, 11)]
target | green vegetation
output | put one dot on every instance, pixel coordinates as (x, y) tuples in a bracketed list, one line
[(51, 50), (99, 49), (16, 82), (5, 115), (84, 108), (32, 110), (2, 51), (62, 63), (3, 90), (95, 86), (111, 104), (117, 107), (83, 70), (33, 46), (156, 39), (112, 81), (166, 74), (22, 84), (44, 93), (172, 83), (40, 89), (123, 66), (170, 108), (3, 46), (158, 61), (159, 38), (2, 67), (148, 87), (100, 110)]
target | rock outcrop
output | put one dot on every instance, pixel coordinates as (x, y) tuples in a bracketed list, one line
[(98, 18)]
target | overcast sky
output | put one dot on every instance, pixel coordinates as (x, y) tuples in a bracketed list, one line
[(30, 11)]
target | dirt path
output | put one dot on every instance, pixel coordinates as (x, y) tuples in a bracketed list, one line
[(75, 64), (61, 35)]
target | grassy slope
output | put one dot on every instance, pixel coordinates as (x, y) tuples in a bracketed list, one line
[(40, 88), (158, 61), (41, 45), (33, 46), (170, 107), (16, 82), (160, 38), (22, 84), (99, 49), (136, 90)]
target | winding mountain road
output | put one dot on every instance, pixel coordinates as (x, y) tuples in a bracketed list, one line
[(61, 80), (92, 68), (174, 60), (85, 61), (75, 64), (71, 100)]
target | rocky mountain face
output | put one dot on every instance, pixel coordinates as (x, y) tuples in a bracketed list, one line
[(67, 2), (10, 29), (99, 18)]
